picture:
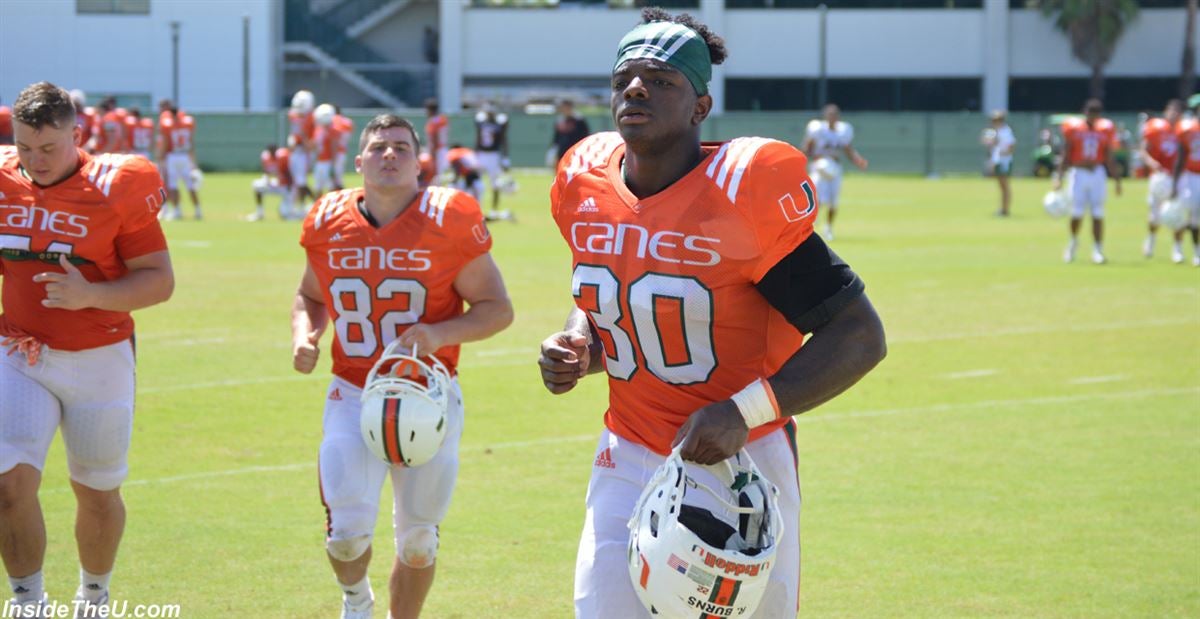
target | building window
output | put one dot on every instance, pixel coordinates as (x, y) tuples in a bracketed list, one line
[(855, 4), (1067, 94), (112, 7), (861, 94)]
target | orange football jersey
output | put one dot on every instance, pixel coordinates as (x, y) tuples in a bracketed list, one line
[(462, 160), (87, 122), (180, 134), (1189, 144), (110, 136), (1086, 145), (100, 216), (327, 139), (1161, 142), (302, 128), (437, 132), (6, 127), (345, 127), (377, 281), (668, 281), (140, 134)]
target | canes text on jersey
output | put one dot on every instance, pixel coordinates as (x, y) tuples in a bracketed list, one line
[(665, 245), (42, 219), (379, 258)]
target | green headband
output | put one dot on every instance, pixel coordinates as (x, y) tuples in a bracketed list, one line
[(675, 44)]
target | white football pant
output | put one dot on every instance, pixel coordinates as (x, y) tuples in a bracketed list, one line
[(1088, 191), (603, 588)]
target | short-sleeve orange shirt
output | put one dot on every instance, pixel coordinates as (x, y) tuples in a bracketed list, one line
[(668, 281), (1086, 145), (378, 281), (102, 215)]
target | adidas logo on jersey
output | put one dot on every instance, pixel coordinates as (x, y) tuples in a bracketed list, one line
[(337, 236), (588, 206), (335, 395), (604, 460)]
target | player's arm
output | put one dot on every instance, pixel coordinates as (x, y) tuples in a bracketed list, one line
[(1061, 170), (809, 144), (309, 319), (819, 295), (1180, 154), (1110, 164), (149, 281), (570, 354), (489, 310), (856, 158)]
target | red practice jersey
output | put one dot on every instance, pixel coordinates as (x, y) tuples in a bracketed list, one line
[(437, 132), (378, 281), (1088, 146), (668, 281), (101, 216)]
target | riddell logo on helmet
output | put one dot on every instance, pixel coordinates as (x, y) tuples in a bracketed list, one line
[(730, 567)]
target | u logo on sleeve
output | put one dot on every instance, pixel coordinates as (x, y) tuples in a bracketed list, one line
[(794, 213)]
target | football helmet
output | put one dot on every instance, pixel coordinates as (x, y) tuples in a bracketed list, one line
[(303, 101), (686, 560), (1173, 214), (1160, 185), (826, 168), (1055, 203), (324, 114), (405, 401)]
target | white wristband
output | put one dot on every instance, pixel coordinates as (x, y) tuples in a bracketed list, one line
[(757, 403)]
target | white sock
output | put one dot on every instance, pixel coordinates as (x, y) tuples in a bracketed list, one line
[(93, 586), (358, 593), (1073, 243), (1099, 247), (1178, 247), (28, 589)]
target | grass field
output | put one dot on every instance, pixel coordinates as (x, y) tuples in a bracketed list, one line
[(1030, 447)]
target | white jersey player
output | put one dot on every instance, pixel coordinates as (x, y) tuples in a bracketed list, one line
[(826, 142), (491, 147)]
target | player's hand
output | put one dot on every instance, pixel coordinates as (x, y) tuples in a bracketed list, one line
[(564, 360), (424, 337), (69, 290), (305, 353), (861, 163), (712, 434), (1056, 185)]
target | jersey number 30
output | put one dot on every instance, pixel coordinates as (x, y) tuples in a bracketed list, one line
[(690, 327)]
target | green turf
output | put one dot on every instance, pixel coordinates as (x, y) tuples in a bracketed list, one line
[(1030, 447)]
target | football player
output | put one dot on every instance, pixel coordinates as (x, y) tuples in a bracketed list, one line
[(437, 133), (491, 146), (85, 118), (301, 144), (1089, 145), (110, 136), (80, 248), (696, 278), (276, 179), (326, 138), (1000, 145), (1160, 146), (825, 142), (177, 148), (1186, 177), (139, 133), (6, 130), (385, 262), (344, 126)]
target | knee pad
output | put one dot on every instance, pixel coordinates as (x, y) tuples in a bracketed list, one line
[(349, 549), (417, 547)]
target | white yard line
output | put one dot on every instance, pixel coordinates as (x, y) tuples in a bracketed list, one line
[(969, 374), (1092, 380)]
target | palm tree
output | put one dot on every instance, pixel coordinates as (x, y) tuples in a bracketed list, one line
[(1187, 80), (1093, 26)]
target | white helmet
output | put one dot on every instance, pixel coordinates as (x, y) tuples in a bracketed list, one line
[(1173, 214), (303, 101), (825, 167), (1055, 203), (324, 114), (404, 406), (1160, 185), (79, 98), (686, 560)]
